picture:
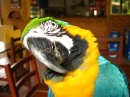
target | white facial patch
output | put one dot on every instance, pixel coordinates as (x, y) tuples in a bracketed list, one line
[(49, 26), (35, 32), (38, 32), (65, 40)]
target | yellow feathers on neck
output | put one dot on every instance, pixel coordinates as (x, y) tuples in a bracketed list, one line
[(80, 82)]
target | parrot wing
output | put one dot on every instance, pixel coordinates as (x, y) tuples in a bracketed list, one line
[(111, 81)]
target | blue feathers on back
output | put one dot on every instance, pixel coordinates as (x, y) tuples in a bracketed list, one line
[(110, 82), (50, 93)]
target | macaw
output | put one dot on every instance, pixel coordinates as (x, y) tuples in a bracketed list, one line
[(75, 67)]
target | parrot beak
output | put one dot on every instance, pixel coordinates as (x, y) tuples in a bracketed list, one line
[(45, 51)]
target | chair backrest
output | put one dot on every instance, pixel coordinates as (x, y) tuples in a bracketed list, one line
[(12, 33), (119, 53), (15, 86), (17, 50), (3, 30)]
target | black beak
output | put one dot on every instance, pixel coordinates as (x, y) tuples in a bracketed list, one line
[(48, 53)]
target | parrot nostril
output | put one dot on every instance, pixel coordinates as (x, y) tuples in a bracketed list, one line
[(34, 31), (52, 46)]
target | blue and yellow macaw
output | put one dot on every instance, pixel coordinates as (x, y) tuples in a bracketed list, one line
[(75, 67)]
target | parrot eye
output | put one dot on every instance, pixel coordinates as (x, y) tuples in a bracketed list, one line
[(53, 24), (50, 28)]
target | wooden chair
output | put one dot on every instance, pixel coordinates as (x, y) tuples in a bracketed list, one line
[(17, 50), (22, 70), (105, 51), (126, 69), (15, 86), (17, 53)]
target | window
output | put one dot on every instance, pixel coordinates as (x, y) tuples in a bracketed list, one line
[(120, 6)]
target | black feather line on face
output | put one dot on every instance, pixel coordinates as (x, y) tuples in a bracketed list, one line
[(54, 51), (73, 60), (51, 23), (69, 61), (77, 52)]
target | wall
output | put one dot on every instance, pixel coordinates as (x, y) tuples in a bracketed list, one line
[(74, 11), (100, 26), (18, 23)]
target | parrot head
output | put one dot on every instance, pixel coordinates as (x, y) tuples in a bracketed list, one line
[(73, 61), (60, 46)]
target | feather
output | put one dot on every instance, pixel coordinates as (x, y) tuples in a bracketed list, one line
[(75, 66), (50, 93), (110, 81)]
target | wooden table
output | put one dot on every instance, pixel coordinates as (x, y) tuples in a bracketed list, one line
[(4, 47)]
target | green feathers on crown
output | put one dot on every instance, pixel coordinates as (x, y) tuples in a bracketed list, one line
[(37, 21)]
